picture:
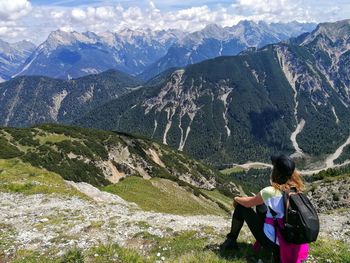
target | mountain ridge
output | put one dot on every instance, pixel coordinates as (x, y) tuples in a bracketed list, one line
[(289, 104), (214, 41), (12, 55), (73, 54), (30, 100)]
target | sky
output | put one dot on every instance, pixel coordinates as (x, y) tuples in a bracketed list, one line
[(33, 20)]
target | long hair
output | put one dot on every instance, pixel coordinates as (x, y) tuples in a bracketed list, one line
[(284, 182)]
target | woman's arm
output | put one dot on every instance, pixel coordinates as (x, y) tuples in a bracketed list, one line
[(249, 201)]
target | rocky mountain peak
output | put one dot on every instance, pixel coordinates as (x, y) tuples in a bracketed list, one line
[(24, 45), (336, 32), (213, 31), (61, 37)]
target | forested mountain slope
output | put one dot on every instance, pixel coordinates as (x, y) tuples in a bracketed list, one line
[(290, 97), (29, 100)]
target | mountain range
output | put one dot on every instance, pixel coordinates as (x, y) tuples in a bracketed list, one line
[(12, 56), (145, 53), (214, 41), (29, 100), (71, 54), (286, 97), (291, 97)]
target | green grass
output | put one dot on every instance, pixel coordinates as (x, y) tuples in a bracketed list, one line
[(219, 197), (231, 170), (162, 195), (7, 233), (186, 247), (323, 250), (19, 177), (114, 253), (53, 138)]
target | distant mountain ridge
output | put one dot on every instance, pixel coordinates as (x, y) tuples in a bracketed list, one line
[(12, 55), (291, 97), (147, 53), (71, 54), (214, 41), (30, 100)]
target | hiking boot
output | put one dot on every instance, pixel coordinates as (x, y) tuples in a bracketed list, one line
[(228, 244)]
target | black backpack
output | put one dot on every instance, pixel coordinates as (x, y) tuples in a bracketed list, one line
[(301, 223)]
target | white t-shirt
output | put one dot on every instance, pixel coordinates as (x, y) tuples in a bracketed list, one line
[(272, 198)]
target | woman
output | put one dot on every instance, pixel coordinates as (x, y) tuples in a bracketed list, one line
[(283, 177)]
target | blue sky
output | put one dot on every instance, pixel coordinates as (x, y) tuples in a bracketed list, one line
[(165, 5), (35, 19)]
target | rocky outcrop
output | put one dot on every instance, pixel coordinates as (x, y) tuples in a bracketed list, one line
[(330, 195)]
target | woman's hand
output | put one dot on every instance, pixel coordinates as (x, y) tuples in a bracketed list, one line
[(234, 202)]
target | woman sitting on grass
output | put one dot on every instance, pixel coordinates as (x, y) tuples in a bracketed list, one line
[(283, 177)]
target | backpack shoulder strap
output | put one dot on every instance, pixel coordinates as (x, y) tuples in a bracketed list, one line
[(275, 223), (286, 195)]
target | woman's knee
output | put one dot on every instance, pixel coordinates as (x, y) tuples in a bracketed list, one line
[(241, 211)]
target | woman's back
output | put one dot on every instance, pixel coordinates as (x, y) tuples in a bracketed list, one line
[(273, 199)]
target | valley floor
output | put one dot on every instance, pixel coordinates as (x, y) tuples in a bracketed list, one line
[(42, 226)]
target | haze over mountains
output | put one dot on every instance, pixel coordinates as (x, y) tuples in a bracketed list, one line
[(71, 54)]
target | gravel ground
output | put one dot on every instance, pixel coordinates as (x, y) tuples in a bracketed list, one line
[(56, 223), (41, 222)]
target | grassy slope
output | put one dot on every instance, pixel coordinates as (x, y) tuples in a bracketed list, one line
[(49, 146), (162, 195), (19, 177), (16, 176), (235, 169)]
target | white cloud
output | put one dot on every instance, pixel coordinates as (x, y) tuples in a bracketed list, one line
[(274, 10), (104, 16), (14, 9), (78, 14)]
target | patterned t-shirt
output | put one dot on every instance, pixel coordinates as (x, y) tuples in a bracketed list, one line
[(272, 198)]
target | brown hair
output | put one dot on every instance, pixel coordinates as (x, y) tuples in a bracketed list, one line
[(283, 182)]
